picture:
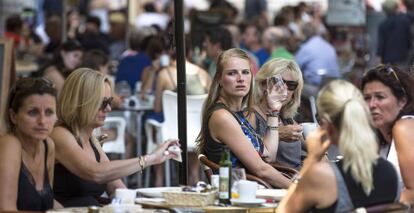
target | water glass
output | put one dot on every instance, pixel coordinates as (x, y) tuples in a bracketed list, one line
[(123, 89), (237, 174), (276, 83), (276, 90)]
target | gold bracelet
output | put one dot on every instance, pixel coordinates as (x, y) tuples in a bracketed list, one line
[(141, 162), (273, 127)]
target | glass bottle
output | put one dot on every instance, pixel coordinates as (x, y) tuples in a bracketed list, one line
[(225, 177)]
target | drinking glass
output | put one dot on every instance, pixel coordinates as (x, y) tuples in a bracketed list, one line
[(276, 84), (237, 174), (276, 92), (123, 89)]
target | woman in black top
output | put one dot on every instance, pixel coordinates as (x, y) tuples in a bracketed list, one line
[(361, 178), (83, 171), (223, 122), (26, 152)]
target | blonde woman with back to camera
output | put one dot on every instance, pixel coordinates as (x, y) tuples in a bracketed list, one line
[(83, 171), (359, 179)]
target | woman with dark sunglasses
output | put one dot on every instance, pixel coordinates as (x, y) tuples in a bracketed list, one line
[(83, 171), (290, 133), (389, 93), (27, 153)]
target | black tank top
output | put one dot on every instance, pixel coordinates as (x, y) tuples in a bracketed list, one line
[(213, 149), (71, 190), (386, 188), (28, 198)]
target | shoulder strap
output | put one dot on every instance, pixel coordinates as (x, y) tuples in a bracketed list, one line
[(46, 173), (344, 200), (46, 151), (95, 150)]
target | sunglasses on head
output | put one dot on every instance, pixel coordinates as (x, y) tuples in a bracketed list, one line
[(106, 102), (291, 85), (29, 84), (388, 70)]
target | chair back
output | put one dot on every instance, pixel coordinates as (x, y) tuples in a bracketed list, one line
[(118, 145), (394, 207), (170, 125)]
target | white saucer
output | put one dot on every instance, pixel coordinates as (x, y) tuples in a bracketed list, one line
[(255, 202)]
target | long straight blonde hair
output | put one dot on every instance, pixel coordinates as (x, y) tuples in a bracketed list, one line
[(215, 90), (342, 104)]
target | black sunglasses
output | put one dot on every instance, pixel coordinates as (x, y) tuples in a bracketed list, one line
[(291, 85), (106, 102)]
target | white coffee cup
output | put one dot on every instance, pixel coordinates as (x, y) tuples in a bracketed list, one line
[(127, 196), (247, 190), (308, 127)]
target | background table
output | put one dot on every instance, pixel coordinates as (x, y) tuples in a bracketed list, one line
[(135, 104)]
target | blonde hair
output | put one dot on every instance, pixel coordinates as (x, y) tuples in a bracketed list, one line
[(280, 66), (343, 105), (80, 99), (215, 89)]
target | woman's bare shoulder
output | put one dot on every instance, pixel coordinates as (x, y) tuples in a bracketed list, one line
[(60, 134), (9, 140), (318, 183), (222, 119), (404, 125), (51, 70)]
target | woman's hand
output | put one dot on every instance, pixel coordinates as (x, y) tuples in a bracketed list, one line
[(317, 144), (291, 132), (161, 154)]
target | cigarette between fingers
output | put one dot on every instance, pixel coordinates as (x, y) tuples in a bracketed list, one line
[(166, 153)]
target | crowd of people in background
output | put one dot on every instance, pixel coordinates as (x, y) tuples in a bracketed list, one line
[(53, 159)]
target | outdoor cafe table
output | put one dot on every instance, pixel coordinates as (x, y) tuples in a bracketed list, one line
[(265, 208)]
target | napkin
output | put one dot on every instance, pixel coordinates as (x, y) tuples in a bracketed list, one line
[(177, 151)]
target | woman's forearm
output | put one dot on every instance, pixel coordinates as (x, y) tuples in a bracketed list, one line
[(273, 177), (112, 170), (271, 139)]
